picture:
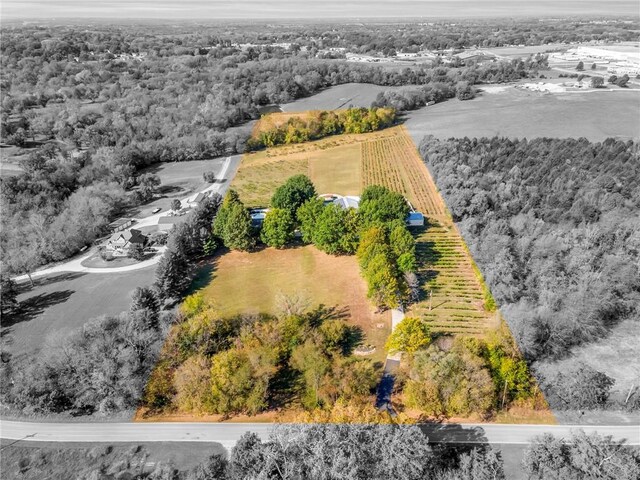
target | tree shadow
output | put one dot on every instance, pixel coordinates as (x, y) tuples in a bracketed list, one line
[(284, 387), (451, 440), (354, 337), (25, 286), (427, 256), (35, 306), (203, 276), (322, 313)]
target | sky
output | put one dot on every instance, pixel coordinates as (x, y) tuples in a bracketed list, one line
[(309, 9)]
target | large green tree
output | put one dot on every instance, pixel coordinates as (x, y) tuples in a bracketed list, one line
[(380, 205), (278, 228), (293, 193), (308, 214), (410, 335)]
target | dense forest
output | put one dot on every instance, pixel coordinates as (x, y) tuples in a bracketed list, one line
[(554, 225)]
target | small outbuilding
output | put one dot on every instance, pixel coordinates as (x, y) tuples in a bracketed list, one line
[(415, 219)]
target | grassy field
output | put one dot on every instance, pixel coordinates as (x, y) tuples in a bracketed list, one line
[(519, 114), (62, 303), (332, 163), (345, 165), (340, 96), (250, 283)]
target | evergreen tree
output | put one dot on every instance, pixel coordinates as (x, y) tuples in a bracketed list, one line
[(8, 292), (145, 298), (172, 273), (238, 231)]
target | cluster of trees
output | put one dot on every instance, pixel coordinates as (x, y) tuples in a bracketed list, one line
[(212, 364), (579, 457), (386, 251), (96, 116), (553, 224), (101, 368), (444, 82), (375, 232), (470, 376), (322, 124), (60, 203), (187, 242)]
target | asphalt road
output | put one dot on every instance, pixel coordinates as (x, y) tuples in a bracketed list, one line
[(228, 433)]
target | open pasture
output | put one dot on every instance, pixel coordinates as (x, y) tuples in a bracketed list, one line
[(62, 303), (514, 113)]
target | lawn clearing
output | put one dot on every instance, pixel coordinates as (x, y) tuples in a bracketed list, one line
[(340, 96), (250, 283)]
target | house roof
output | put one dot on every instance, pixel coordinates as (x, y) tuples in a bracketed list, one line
[(131, 236), (135, 236), (201, 196), (349, 201)]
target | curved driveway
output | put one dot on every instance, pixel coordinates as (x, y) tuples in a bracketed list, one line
[(75, 264)]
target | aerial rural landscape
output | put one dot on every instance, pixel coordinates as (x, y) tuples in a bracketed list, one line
[(298, 247)]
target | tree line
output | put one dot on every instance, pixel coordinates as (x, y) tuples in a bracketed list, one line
[(321, 124), (346, 452)]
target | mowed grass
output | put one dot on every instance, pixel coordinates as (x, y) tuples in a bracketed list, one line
[(332, 163), (60, 304), (252, 283)]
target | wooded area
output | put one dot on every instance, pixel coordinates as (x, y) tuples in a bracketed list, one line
[(553, 225)]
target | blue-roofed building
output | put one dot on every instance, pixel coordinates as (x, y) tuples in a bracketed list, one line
[(415, 219)]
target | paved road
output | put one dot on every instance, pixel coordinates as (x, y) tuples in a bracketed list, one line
[(75, 264), (228, 433)]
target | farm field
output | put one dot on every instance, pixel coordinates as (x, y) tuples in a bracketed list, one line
[(332, 163), (346, 164), (250, 283), (453, 295), (594, 115)]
